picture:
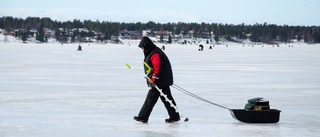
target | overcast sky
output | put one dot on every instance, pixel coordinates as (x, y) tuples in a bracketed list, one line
[(280, 12)]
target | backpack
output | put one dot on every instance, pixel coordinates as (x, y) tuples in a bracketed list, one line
[(257, 104)]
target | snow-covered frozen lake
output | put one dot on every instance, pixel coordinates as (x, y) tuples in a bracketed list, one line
[(52, 90)]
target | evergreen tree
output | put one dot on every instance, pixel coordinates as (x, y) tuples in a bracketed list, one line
[(161, 38), (24, 36), (57, 34), (46, 38), (216, 37), (170, 39), (40, 33)]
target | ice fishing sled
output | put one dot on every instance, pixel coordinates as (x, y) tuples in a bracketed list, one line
[(257, 110)]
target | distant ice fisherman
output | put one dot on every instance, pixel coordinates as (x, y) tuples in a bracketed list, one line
[(79, 48)]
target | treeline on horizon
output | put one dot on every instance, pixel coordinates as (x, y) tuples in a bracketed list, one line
[(266, 33)]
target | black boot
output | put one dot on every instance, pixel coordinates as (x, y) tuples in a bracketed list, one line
[(172, 120), (139, 119)]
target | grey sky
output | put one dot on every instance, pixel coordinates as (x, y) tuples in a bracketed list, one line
[(289, 12)]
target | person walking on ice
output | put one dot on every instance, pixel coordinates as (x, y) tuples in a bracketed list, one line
[(159, 72)]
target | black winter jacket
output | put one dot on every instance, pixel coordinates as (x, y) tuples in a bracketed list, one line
[(165, 74)]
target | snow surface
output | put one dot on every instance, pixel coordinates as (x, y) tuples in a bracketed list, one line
[(52, 90)]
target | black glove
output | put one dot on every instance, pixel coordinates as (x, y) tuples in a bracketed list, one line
[(151, 84)]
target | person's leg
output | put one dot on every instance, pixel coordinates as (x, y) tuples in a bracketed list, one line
[(171, 111), (151, 100)]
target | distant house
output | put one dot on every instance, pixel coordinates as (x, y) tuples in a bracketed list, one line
[(205, 35), (159, 35), (162, 35), (48, 32), (186, 35), (125, 34), (32, 32)]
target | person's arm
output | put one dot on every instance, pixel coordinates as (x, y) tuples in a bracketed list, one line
[(155, 60)]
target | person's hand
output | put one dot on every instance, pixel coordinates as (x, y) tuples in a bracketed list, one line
[(151, 84)]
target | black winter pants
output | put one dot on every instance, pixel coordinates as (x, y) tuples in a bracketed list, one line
[(151, 100)]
